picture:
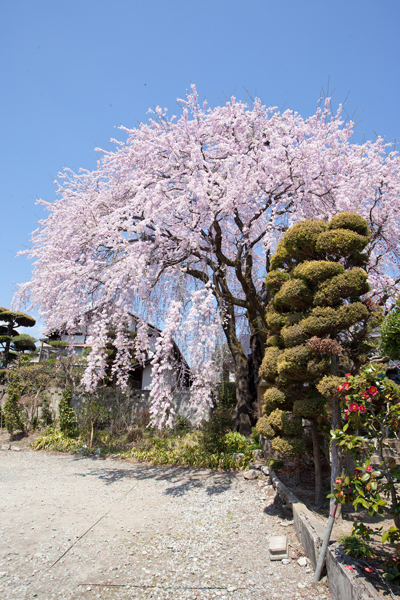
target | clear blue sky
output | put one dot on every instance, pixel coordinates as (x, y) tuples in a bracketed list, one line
[(73, 71)]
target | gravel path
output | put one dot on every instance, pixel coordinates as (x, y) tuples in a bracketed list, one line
[(77, 528)]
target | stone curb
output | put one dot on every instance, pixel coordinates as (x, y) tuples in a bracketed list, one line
[(344, 583)]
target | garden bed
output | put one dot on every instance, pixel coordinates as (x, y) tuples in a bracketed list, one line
[(371, 567)]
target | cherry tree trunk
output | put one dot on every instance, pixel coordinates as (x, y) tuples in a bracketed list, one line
[(243, 414)]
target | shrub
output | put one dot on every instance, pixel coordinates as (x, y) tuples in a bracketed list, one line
[(317, 271), (341, 242), (235, 442), (317, 368), (264, 428), (274, 341), (226, 394), (309, 407), (356, 547), (301, 239), (349, 285), (275, 279), (293, 336), (56, 441), (352, 221), (328, 385), (292, 363), (273, 398), (268, 369), (12, 411), (274, 320), (390, 333), (289, 446), (284, 422), (293, 294), (213, 438), (282, 258), (67, 414), (46, 416), (275, 464)]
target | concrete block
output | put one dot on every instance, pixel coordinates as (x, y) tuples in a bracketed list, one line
[(278, 547)]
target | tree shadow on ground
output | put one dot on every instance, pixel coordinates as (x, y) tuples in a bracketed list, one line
[(181, 480), (276, 508)]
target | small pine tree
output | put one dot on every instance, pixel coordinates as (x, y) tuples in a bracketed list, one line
[(67, 414), (12, 411), (46, 416)]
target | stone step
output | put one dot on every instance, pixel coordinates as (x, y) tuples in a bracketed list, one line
[(390, 452), (376, 461), (394, 444)]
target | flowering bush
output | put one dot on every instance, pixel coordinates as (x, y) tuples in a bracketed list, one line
[(371, 405)]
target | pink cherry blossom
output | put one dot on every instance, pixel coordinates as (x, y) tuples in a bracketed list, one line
[(198, 200)]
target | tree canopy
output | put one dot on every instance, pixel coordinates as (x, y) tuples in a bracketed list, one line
[(177, 223), (11, 341)]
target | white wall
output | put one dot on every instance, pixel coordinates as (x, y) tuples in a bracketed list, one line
[(146, 378)]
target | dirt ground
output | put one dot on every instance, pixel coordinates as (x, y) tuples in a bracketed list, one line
[(83, 528)]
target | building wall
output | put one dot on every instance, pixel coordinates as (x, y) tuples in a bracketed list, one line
[(146, 378)]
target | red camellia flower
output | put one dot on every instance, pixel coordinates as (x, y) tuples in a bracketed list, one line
[(347, 386), (373, 390), (346, 414), (368, 468), (348, 375), (362, 408), (368, 569), (339, 480), (340, 388), (354, 407), (364, 395)]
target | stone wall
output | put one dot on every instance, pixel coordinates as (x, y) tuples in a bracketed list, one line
[(128, 408)]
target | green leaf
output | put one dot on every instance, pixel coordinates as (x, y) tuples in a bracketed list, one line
[(365, 477), (345, 428)]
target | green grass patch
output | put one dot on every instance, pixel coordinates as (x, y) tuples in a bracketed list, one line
[(187, 449)]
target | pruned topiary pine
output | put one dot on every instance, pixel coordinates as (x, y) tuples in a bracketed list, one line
[(317, 310), (11, 342)]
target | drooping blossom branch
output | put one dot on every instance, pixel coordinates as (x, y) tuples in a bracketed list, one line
[(201, 198)]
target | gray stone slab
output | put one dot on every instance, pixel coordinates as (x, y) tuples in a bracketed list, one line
[(278, 547)]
